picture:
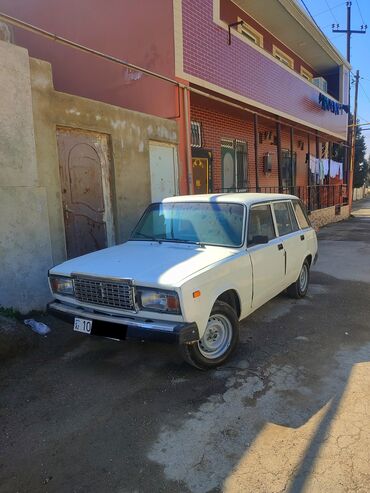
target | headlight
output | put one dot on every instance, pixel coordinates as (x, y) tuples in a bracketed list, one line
[(62, 285), (158, 301)]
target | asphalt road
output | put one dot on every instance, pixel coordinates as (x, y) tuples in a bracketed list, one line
[(289, 413)]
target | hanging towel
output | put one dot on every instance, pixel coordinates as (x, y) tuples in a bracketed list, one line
[(341, 171), (321, 168), (326, 166), (312, 164)]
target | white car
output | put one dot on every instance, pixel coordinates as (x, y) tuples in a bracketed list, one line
[(193, 268)]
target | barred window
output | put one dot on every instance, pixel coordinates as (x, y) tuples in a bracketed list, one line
[(196, 134)]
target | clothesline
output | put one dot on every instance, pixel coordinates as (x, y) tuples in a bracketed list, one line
[(320, 168)]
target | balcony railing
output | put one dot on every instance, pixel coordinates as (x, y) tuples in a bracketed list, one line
[(314, 196)]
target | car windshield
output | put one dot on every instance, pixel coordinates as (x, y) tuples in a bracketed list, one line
[(211, 223)]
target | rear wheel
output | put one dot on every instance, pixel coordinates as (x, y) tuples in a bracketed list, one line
[(299, 288), (218, 341)]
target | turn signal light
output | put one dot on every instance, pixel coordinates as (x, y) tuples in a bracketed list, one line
[(196, 294)]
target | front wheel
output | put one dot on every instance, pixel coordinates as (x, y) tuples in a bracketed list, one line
[(218, 341), (299, 288)]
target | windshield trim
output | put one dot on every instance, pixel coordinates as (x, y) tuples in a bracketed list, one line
[(202, 242)]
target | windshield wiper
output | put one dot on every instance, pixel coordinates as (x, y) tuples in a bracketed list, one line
[(191, 242), (147, 237)]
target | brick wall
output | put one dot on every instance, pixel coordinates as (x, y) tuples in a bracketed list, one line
[(229, 12), (243, 70), (221, 123)]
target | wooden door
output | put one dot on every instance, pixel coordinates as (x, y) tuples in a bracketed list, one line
[(84, 171), (163, 170)]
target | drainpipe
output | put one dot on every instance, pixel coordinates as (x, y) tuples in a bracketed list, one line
[(278, 134), (189, 166)]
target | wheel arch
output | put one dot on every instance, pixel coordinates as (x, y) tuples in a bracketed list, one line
[(232, 298)]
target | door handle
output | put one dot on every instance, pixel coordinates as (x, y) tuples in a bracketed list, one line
[(302, 237), (280, 246)]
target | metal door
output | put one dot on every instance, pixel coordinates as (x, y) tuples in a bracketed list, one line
[(163, 171), (84, 172), (202, 170)]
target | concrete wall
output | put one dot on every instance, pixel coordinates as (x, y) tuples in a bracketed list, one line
[(31, 222), (359, 193), (25, 250), (325, 216)]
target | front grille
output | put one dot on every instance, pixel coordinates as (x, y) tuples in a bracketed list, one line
[(117, 294)]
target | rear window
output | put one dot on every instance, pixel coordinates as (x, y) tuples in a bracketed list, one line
[(301, 214), (285, 219)]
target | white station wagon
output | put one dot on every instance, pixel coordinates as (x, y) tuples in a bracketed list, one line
[(193, 268)]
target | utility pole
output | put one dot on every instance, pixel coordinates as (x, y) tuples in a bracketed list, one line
[(353, 143), (349, 31)]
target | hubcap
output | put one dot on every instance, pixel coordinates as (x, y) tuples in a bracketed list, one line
[(303, 278), (217, 337)]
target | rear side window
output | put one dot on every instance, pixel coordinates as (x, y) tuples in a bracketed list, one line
[(285, 219), (260, 223), (301, 214)]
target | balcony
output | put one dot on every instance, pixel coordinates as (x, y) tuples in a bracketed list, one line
[(314, 197)]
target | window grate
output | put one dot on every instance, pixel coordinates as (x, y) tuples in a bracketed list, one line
[(196, 134)]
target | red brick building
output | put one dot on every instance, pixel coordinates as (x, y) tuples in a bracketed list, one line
[(261, 119)]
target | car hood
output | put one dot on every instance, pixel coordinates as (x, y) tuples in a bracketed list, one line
[(148, 263)]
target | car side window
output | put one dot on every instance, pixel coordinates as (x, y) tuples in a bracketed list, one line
[(301, 214), (285, 219), (260, 224)]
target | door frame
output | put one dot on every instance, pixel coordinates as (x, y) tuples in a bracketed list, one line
[(107, 182)]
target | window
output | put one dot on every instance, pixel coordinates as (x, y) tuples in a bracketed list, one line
[(234, 164), (285, 219), (288, 168), (283, 57), (260, 223), (301, 214), (250, 33), (306, 74), (196, 134)]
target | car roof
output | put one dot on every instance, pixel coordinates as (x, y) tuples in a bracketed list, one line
[(237, 198)]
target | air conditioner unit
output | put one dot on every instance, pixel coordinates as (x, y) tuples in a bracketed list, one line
[(321, 83)]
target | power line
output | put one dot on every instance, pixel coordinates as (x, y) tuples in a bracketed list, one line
[(332, 8), (332, 13), (365, 93), (358, 6), (312, 17)]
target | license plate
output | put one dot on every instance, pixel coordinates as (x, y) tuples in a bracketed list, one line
[(82, 325)]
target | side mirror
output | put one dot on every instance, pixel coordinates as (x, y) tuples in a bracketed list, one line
[(259, 240)]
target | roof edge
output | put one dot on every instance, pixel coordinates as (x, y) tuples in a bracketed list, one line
[(296, 11)]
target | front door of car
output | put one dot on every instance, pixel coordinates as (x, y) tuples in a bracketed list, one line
[(266, 253), (292, 239)]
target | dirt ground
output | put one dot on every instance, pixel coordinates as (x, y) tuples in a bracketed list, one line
[(290, 412)]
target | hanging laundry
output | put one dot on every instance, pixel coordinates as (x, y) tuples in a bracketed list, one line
[(326, 166), (341, 171), (321, 170), (312, 164)]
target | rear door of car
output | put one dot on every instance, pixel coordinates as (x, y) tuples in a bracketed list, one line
[(268, 259), (291, 237)]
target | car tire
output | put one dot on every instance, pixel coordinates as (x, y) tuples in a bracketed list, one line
[(299, 288), (218, 342)]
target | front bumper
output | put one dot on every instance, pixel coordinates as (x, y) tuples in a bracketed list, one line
[(128, 328)]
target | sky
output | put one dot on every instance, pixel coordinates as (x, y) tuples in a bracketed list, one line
[(328, 12)]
